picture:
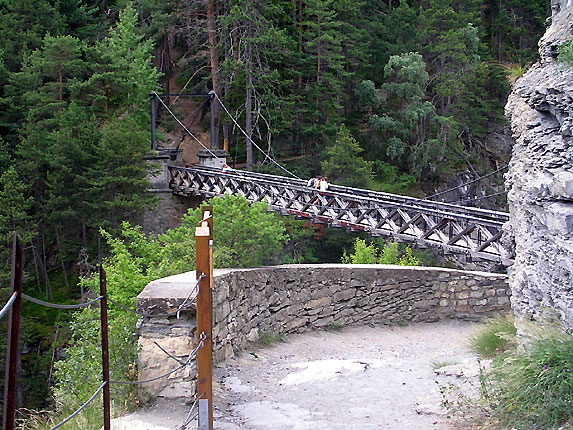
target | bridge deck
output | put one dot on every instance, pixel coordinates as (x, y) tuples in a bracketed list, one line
[(472, 231)]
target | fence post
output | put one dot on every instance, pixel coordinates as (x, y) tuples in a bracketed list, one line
[(13, 336), (104, 348), (204, 264)]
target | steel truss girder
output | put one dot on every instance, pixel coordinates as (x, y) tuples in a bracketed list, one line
[(459, 229)]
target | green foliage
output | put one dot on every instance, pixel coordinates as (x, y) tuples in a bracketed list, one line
[(533, 388), (495, 337), (566, 53), (343, 165), (267, 339), (246, 235), (370, 254), (363, 254)]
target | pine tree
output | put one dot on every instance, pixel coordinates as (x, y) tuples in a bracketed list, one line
[(15, 206), (122, 71), (323, 73), (343, 164), (118, 178)]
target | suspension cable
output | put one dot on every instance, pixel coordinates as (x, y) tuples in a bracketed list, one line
[(468, 183), (183, 125), (252, 141), (481, 198)]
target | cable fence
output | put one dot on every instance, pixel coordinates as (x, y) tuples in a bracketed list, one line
[(200, 294)]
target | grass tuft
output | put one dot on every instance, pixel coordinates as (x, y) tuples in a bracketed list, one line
[(496, 336), (534, 387)]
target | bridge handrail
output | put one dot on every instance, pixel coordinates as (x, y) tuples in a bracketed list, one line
[(492, 218), (358, 191)]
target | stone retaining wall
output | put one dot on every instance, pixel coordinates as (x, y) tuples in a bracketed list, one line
[(296, 298)]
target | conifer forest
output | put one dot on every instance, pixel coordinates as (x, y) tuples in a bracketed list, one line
[(392, 95)]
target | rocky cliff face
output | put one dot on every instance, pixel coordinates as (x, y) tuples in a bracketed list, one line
[(540, 181)]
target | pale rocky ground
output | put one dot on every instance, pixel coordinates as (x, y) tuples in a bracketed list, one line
[(356, 378)]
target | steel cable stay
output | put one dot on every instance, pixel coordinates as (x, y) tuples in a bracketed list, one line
[(8, 304), (192, 413), (253, 142), (82, 407), (468, 183), (481, 197)]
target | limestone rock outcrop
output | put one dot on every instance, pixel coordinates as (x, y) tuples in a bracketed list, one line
[(540, 181)]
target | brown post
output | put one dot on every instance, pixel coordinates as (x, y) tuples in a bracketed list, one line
[(204, 263), (104, 348), (13, 336)]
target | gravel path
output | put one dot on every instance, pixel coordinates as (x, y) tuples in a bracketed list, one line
[(356, 378)]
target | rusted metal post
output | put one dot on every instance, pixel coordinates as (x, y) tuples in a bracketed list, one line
[(204, 264), (104, 348), (13, 336)]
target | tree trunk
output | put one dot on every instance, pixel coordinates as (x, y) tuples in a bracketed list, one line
[(300, 39), (61, 253), (249, 107), (214, 59), (61, 81)]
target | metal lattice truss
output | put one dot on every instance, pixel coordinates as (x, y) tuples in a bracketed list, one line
[(472, 231)]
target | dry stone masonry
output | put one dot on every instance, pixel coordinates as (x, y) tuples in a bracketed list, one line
[(540, 181), (296, 298)]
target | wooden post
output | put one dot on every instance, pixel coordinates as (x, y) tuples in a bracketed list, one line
[(204, 264), (104, 348), (13, 336)]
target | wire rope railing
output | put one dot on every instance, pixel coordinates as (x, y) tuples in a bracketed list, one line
[(8, 304), (198, 294), (61, 306), (81, 408)]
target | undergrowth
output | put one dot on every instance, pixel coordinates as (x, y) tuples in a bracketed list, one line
[(529, 384)]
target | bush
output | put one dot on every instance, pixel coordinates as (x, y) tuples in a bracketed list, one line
[(370, 254)]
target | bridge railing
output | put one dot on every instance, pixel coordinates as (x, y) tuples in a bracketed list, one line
[(461, 229)]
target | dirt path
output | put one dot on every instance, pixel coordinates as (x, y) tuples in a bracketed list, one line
[(355, 378)]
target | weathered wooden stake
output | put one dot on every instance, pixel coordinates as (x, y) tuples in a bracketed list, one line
[(104, 348), (204, 265), (13, 336)]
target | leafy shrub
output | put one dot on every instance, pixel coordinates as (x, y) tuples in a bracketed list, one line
[(246, 235), (494, 337), (370, 254)]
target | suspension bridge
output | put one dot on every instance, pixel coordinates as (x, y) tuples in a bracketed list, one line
[(453, 227)]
